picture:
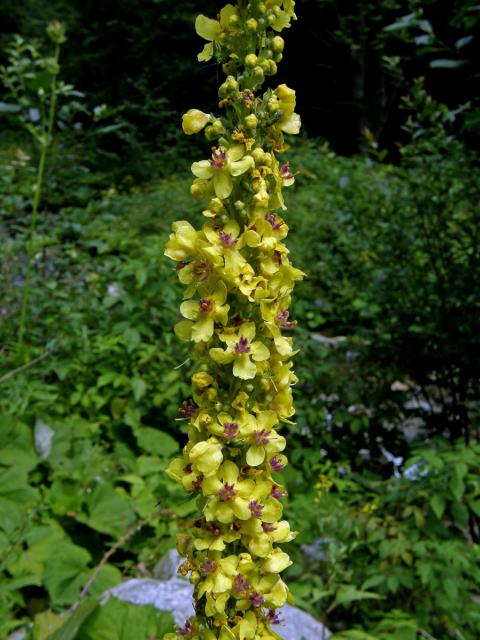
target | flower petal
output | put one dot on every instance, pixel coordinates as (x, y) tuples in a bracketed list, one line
[(255, 455), (183, 330), (222, 183), (240, 166), (202, 169), (221, 356), (244, 368), (207, 28)]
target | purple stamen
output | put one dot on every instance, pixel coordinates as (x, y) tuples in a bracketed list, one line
[(285, 172), (261, 437), (209, 567), (227, 492), (276, 492), (276, 464), (184, 631), (271, 218), (189, 410), (226, 238), (240, 584), (273, 617), (187, 469), (281, 319), (219, 158), (230, 430), (256, 508), (205, 305), (268, 527), (242, 346), (201, 271), (256, 599)]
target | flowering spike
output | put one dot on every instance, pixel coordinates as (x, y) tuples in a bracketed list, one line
[(238, 280)]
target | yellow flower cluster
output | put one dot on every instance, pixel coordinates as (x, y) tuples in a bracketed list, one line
[(238, 281)]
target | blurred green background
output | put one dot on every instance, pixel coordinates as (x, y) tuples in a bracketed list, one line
[(384, 476)]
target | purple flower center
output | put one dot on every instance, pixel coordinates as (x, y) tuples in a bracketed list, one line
[(230, 430), (205, 305), (256, 599), (276, 464), (285, 171), (189, 410), (226, 238), (187, 469), (219, 158), (256, 508), (268, 527), (242, 346), (261, 437), (240, 584), (276, 492), (184, 631), (281, 319), (201, 271), (209, 567), (271, 218), (227, 492), (273, 617)]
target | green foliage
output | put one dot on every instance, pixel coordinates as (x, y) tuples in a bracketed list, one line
[(394, 556), (389, 359)]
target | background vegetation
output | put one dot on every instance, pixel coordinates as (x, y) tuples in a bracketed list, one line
[(385, 219)]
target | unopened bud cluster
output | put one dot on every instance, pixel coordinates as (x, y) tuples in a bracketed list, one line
[(238, 281)]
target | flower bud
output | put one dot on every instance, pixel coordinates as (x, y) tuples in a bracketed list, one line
[(250, 60), (258, 155), (252, 24), (194, 121), (228, 88), (278, 44), (56, 32), (251, 121), (202, 380)]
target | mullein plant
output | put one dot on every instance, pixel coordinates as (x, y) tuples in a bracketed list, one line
[(238, 282)]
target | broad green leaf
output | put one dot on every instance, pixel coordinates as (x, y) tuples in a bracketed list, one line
[(14, 486), (349, 593), (119, 620), (108, 512), (139, 388), (16, 444), (457, 487), (438, 503), (66, 573), (155, 441), (45, 624), (69, 630)]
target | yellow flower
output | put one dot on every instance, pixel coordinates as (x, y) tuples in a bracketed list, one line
[(202, 314), (206, 456), (224, 248), (194, 121), (289, 121), (228, 497), (224, 165), (184, 242), (212, 30), (240, 347)]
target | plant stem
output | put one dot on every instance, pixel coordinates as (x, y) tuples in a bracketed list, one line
[(45, 145)]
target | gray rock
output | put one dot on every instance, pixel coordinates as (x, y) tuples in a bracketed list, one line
[(174, 594)]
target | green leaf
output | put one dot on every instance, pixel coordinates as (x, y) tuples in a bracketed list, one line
[(349, 593), (66, 573), (45, 624), (155, 441), (108, 512), (457, 487), (438, 503), (139, 388), (70, 629), (16, 444), (119, 620), (14, 486)]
